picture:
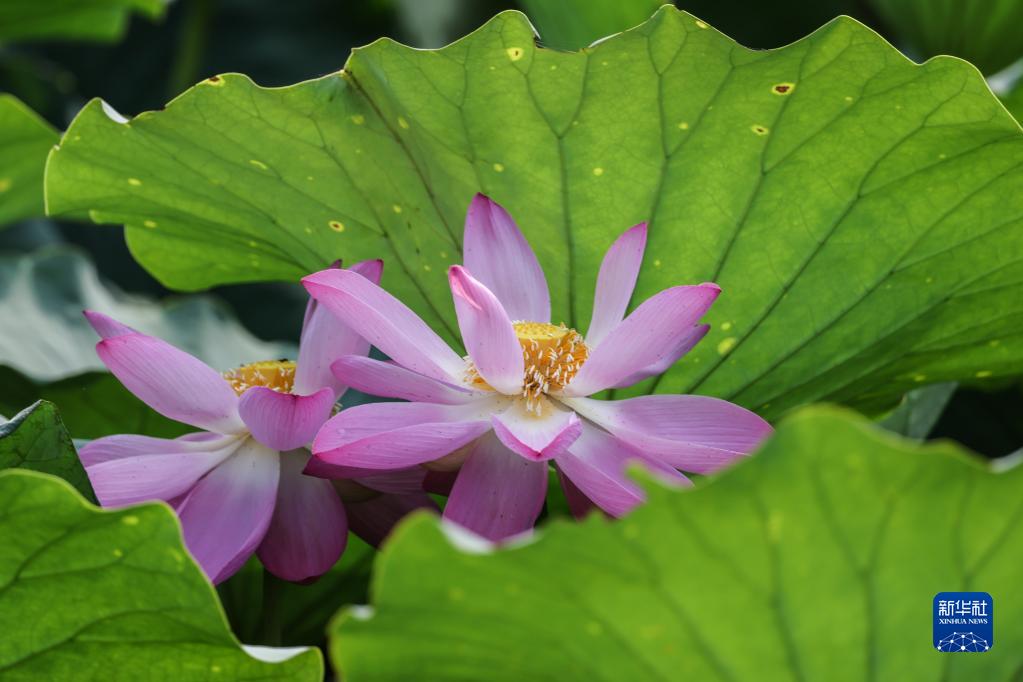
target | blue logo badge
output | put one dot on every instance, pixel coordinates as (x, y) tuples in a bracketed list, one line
[(963, 622)]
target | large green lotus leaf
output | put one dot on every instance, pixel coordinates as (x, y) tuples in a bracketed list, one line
[(862, 213), (1013, 100), (25, 140), (36, 439), (46, 337), (988, 33), (98, 20), (87, 594), (572, 24), (816, 559)]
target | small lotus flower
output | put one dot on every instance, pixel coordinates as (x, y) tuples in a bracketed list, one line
[(237, 485), (519, 399)]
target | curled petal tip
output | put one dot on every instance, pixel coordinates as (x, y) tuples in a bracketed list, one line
[(105, 325)]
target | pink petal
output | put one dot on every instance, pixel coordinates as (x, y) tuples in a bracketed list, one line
[(644, 338), (226, 515), (106, 326), (308, 530), (596, 464), (497, 494), (388, 380), (374, 519), (400, 481), (487, 332), (398, 435), (683, 345), (155, 469), (615, 283), (689, 432), (499, 256), (284, 421), (116, 447), (325, 339), (172, 382), (385, 322), (578, 503), (537, 438)]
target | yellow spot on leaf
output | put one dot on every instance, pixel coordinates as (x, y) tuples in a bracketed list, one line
[(759, 129), (215, 81), (149, 223), (701, 24), (118, 553), (402, 122), (514, 53), (358, 119), (134, 182), (783, 88), (984, 374), (499, 167), (5, 184), (443, 254), (683, 126), (848, 98), (726, 345), (657, 262), (456, 593), (426, 268), (396, 208), (919, 378), (337, 225), (725, 326), (598, 171), (258, 164), (130, 520)]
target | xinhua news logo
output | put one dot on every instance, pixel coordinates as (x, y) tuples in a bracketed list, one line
[(963, 622)]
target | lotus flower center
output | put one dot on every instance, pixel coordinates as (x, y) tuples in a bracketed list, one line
[(552, 354), (277, 375)]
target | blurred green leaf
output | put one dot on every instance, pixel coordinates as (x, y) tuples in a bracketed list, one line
[(919, 410), (763, 171), (988, 34), (95, 20), (111, 595), (816, 559), (573, 24), (45, 337), (25, 140), (36, 439), (305, 609)]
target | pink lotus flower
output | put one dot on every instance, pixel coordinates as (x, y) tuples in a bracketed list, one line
[(520, 399), (238, 486)]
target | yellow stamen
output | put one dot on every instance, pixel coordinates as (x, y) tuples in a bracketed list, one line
[(277, 375), (551, 354)]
